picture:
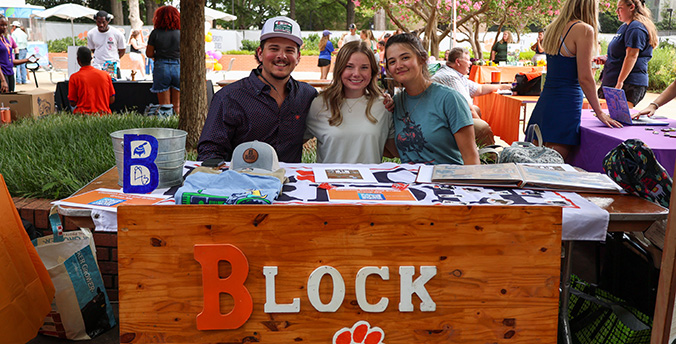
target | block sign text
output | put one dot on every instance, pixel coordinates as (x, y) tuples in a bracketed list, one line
[(212, 319)]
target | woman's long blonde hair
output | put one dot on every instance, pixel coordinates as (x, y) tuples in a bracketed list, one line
[(334, 96), (584, 10), (322, 42), (643, 15)]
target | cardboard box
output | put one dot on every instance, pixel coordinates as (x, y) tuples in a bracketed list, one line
[(33, 103)]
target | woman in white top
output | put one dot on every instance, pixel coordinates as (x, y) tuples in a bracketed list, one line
[(136, 47), (348, 118)]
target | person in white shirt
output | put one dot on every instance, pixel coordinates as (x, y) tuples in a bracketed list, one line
[(106, 42), (454, 75), (21, 39), (351, 37), (348, 118)]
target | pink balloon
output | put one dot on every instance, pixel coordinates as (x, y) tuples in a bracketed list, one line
[(217, 55)]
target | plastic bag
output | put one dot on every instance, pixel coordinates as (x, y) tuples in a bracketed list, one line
[(81, 309), (526, 152)]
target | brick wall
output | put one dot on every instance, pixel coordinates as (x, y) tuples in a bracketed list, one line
[(36, 211)]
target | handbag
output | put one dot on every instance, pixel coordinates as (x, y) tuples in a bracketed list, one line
[(81, 309), (525, 86), (527, 152)]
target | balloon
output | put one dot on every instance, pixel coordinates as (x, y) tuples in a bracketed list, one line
[(217, 55), (217, 66), (208, 37)]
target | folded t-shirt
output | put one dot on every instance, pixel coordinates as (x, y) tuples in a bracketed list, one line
[(228, 187)]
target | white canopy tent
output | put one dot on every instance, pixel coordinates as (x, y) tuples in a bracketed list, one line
[(70, 12), (211, 15)]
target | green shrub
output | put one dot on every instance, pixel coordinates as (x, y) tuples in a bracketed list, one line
[(661, 68), (311, 42), (61, 45), (250, 45), (54, 156), (526, 55)]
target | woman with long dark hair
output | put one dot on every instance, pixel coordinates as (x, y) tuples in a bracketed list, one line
[(164, 46), (432, 122)]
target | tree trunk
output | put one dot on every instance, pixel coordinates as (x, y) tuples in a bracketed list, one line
[(151, 6), (292, 9), (350, 14), (116, 8), (193, 71), (431, 41), (380, 20), (134, 15)]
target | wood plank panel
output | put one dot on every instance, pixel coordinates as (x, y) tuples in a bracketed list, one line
[(497, 271)]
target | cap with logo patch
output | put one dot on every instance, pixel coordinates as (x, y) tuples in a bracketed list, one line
[(283, 27), (254, 156)]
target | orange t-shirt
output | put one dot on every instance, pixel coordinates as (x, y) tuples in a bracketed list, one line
[(91, 90)]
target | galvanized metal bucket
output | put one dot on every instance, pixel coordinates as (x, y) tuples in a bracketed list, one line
[(170, 153)]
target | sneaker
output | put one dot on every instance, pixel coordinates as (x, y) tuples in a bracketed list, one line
[(165, 110)]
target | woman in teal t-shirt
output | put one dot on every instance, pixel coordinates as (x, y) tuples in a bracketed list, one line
[(432, 122)]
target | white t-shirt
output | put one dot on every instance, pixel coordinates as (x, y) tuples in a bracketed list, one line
[(105, 45), (356, 140), (351, 38)]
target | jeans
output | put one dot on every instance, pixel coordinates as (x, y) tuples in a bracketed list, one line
[(167, 74), (149, 65), (21, 69)]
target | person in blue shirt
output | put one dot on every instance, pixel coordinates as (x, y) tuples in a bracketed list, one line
[(626, 65), (325, 51), (432, 122)]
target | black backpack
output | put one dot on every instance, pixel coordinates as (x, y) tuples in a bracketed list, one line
[(633, 166), (525, 87)]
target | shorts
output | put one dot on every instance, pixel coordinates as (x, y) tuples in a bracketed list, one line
[(634, 93), (166, 75), (323, 62), (136, 57)]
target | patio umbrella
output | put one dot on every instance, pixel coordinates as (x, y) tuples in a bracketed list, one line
[(211, 15), (68, 11)]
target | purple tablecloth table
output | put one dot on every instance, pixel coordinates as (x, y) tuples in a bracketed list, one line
[(596, 140)]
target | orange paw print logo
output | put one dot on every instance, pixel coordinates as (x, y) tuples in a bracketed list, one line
[(361, 332)]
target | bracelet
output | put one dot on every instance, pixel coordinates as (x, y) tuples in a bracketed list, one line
[(656, 105)]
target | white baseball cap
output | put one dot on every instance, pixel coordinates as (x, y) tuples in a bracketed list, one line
[(254, 156), (16, 23), (283, 27)]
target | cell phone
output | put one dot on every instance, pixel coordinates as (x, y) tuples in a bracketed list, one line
[(214, 162)]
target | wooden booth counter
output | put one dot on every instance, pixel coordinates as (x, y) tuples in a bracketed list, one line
[(281, 274), (333, 273)]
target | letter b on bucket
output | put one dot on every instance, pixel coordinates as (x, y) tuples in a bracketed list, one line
[(140, 171)]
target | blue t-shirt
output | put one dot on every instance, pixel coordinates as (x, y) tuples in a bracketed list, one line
[(634, 35), (326, 53), (425, 124)]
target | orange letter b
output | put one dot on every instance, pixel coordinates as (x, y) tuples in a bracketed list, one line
[(211, 318)]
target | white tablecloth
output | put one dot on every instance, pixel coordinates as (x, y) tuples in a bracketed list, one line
[(582, 220)]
